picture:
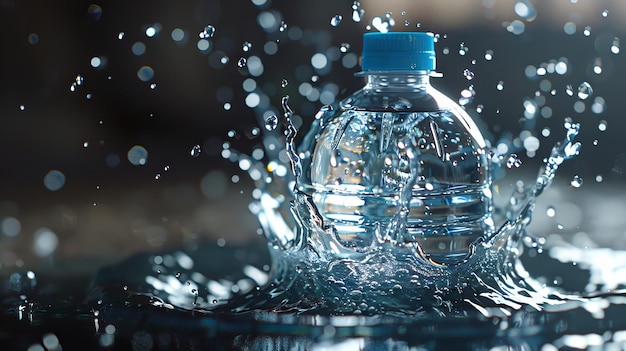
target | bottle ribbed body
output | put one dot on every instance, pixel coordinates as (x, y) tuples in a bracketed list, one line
[(399, 161)]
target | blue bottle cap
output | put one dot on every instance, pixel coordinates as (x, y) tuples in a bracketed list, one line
[(398, 51)]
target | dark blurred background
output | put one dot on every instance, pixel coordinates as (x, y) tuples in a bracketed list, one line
[(102, 103)]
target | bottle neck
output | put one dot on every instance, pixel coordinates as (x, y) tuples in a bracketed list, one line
[(394, 81)]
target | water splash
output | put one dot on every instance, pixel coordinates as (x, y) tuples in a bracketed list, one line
[(312, 269)]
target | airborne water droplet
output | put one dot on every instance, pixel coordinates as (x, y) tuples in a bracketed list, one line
[(605, 13), (246, 46), (195, 151), (577, 181), (385, 24), (615, 46), (551, 211), (207, 32), (584, 90), (467, 96), (513, 161), (569, 90), (283, 26), (489, 55), (469, 75), (242, 62), (344, 47), (335, 20), (463, 49), (271, 122), (284, 83), (357, 14)]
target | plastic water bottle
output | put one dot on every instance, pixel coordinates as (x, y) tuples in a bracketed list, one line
[(398, 161)]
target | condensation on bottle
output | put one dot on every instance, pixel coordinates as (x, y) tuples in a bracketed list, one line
[(398, 161)]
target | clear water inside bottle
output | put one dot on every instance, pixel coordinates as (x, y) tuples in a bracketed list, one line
[(403, 164)]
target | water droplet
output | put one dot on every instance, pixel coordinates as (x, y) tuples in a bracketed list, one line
[(45, 242), (195, 151), (137, 155), (383, 25), (207, 32), (513, 161), (79, 79), (584, 90), (344, 47), (120, 35), (577, 181), (525, 10), (94, 11), (271, 122), (85, 144), (469, 75), (551, 211), (54, 180), (602, 125), (145, 73), (335, 20), (406, 23), (615, 46), (467, 96), (152, 31), (157, 176), (22, 107), (96, 62), (463, 49), (33, 38), (569, 90), (242, 62), (357, 14), (283, 26), (605, 13), (153, 86), (246, 46), (500, 85), (284, 83), (587, 31), (569, 28), (516, 27)]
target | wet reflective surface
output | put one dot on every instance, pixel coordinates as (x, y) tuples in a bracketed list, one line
[(148, 302)]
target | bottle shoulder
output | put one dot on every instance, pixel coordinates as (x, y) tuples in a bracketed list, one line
[(401, 99), (427, 100)]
